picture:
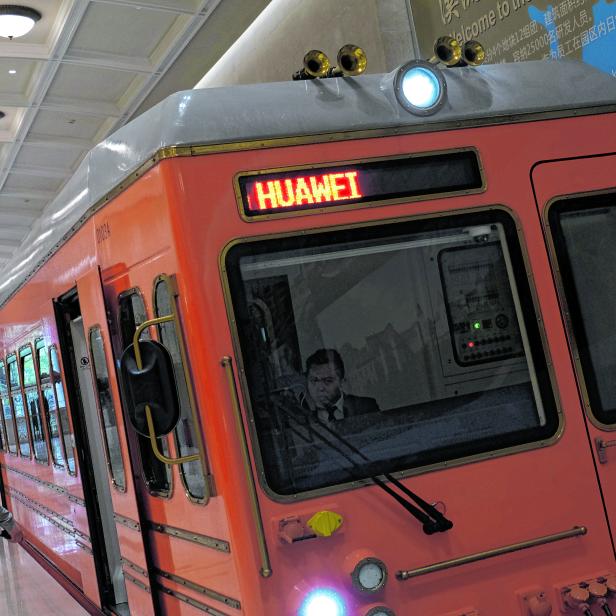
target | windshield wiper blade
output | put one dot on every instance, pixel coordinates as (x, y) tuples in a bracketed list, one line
[(432, 519)]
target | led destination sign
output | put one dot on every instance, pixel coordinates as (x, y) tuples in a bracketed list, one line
[(382, 180)]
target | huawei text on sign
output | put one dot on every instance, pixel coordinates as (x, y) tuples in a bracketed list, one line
[(305, 190)]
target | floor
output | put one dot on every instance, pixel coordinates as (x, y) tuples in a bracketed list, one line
[(26, 589)]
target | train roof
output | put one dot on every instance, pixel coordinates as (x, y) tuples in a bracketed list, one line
[(254, 115)]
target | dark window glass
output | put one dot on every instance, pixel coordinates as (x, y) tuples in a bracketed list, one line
[(22, 427), (4, 390), (185, 432), (33, 407), (384, 349), (9, 422), (13, 374), (43, 363), (107, 410), (156, 474), (50, 409), (65, 427), (584, 231)]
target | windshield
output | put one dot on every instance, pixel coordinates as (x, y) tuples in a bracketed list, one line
[(375, 350)]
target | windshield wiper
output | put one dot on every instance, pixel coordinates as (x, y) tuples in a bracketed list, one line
[(433, 521)]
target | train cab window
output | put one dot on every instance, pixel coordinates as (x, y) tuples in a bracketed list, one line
[(186, 432), (60, 402), (33, 405), (17, 399), (7, 412), (583, 232), (50, 408), (388, 348), (109, 423), (156, 474)]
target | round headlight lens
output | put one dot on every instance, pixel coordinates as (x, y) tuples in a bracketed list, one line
[(323, 602), (369, 575), (420, 88), (381, 610)]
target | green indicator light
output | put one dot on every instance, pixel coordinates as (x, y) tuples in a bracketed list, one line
[(477, 325)]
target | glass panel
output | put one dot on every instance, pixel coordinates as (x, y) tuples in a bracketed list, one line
[(584, 231), (9, 422), (156, 474), (43, 363), (67, 437), (13, 374), (22, 428), (185, 433), (29, 374), (108, 417), (36, 423), (377, 350), (3, 384), (51, 411)]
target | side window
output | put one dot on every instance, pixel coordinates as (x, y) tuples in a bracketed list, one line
[(60, 401), (33, 405), (187, 432), (7, 412), (583, 233), (50, 409), (17, 398), (107, 410), (156, 474), (3, 391)]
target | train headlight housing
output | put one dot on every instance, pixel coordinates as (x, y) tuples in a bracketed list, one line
[(379, 610), (369, 574), (323, 602), (420, 87)]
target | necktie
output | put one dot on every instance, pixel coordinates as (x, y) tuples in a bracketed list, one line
[(330, 413)]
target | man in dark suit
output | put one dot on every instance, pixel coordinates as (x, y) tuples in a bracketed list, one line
[(325, 385)]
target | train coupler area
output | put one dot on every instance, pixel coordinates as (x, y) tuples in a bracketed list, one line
[(589, 597)]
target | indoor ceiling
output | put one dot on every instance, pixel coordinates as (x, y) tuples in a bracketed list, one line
[(84, 70)]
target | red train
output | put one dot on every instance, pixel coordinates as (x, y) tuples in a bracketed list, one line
[(332, 347)]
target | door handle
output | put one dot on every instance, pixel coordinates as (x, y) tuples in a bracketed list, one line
[(601, 446)]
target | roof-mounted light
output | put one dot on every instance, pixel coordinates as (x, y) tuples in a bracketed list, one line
[(16, 21), (420, 87)]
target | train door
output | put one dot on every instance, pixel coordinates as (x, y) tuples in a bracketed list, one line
[(86, 354), (577, 201)]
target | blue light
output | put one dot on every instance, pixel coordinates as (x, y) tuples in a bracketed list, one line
[(421, 88), (323, 602)]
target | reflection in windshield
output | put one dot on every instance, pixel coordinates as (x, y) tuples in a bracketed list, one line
[(410, 348)]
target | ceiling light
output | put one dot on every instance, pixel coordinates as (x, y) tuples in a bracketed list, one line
[(12, 71), (16, 20)]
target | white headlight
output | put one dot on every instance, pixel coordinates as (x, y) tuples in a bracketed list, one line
[(420, 87), (369, 575)]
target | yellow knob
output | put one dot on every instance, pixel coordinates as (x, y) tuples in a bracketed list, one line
[(325, 523)]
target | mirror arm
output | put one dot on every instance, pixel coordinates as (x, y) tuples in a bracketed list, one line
[(148, 412)]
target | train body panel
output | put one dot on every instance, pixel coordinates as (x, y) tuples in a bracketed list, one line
[(444, 320)]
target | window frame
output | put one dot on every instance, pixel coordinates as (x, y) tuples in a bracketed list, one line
[(114, 482), (524, 280), (10, 404), (24, 351), (13, 358), (164, 441), (197, 429), (5, 441), (70, 431), (571, 309), (39, 345)]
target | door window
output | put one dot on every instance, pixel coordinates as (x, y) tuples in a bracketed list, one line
[(60, 402)]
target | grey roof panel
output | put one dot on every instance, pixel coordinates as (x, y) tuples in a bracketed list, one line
[(290, 109)]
